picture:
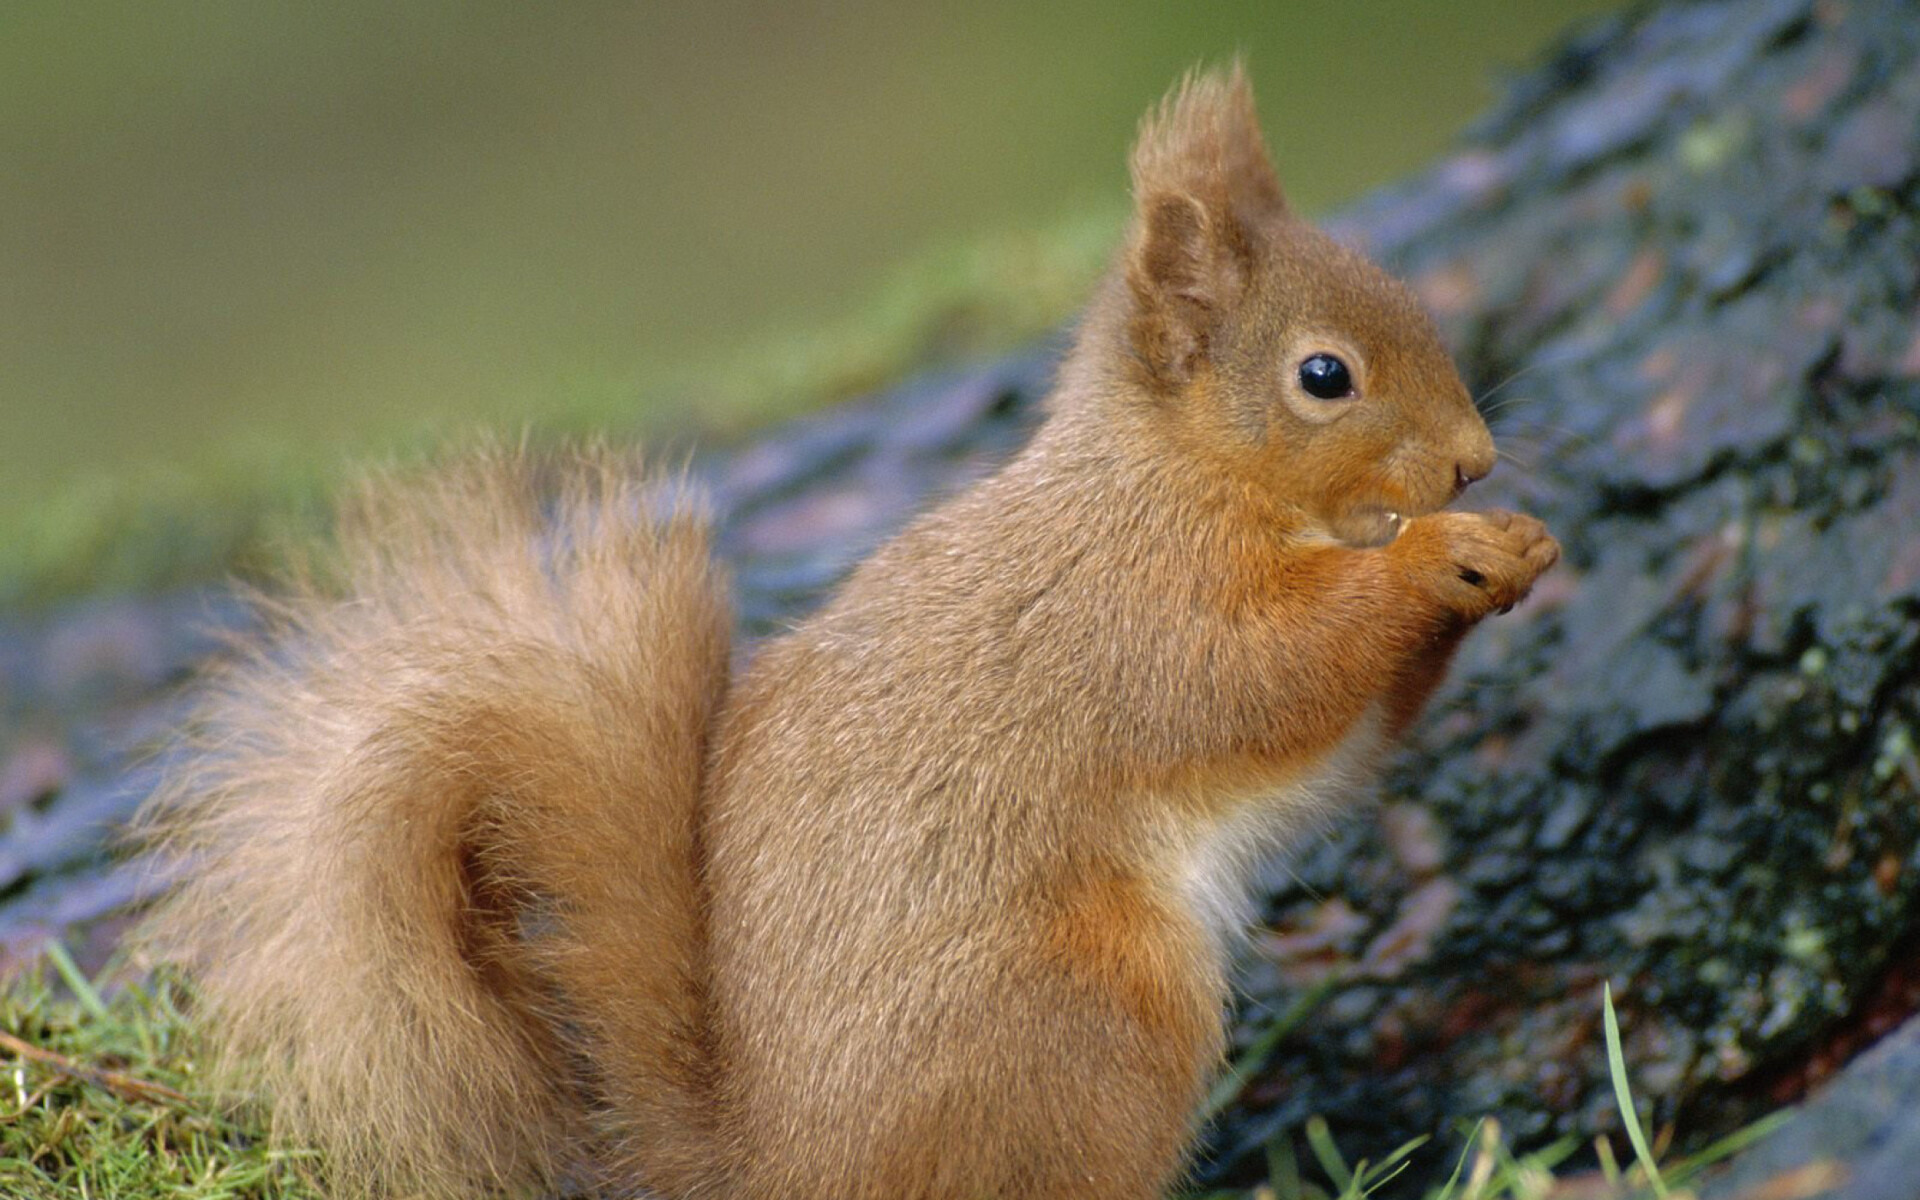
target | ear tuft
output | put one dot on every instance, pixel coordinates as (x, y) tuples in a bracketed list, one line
[(1204, 139)]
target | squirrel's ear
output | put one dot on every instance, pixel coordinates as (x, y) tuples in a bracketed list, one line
[(1201, 184), (1183, 271)]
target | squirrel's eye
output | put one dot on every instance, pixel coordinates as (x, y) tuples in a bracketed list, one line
[(1325, 377)]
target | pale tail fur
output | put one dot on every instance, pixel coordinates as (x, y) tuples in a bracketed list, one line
[(437, 838)]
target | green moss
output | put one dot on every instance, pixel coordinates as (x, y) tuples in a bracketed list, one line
[(107, 1103)]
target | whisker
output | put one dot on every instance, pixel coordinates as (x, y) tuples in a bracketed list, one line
[(1568, 439), (1513, 377), (1509, 402), (1530, 467)]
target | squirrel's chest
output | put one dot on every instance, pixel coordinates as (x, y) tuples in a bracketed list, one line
[(1217, 866)]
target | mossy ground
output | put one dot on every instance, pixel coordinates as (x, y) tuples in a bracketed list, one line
[(102, 1097)]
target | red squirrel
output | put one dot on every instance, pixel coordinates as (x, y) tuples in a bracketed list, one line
[(499, 883)]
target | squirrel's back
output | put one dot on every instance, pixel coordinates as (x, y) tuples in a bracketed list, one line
[(438, 835)]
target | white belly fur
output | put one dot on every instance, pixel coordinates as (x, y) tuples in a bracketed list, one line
[(1219, 869)]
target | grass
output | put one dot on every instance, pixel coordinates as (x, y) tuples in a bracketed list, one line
[(1485, 1167), (160, 526), (99, 1097)]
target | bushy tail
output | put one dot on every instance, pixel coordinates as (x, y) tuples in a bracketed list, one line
[(437, 835)]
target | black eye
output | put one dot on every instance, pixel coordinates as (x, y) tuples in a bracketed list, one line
[(1326, 378)]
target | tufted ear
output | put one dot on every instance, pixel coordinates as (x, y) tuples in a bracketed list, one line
[(1202, 184)]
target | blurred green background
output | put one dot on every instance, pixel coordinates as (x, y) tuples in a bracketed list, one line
[(323, 225)]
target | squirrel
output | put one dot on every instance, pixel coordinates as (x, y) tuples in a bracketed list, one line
[(499, 879)]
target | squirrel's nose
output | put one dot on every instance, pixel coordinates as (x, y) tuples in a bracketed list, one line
[(1474, 460)]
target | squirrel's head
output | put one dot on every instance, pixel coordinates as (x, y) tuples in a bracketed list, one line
[(1272, 350)]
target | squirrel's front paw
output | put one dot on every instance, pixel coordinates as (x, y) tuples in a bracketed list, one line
[(1477, 562)]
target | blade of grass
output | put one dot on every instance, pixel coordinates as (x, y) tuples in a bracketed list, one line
[(1555, 1152), (1727, 1146), (76, 980), (1378, 1177), (1617, 1067), (1520, 1177), (1283, 1168), (1391, 1160), (1609, 1166), (1483, 1159), (1460, 1164), (1320, 1141), (1356, 1188)]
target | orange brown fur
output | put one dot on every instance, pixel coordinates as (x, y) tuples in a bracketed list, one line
[(474, 727), (932, 901)]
